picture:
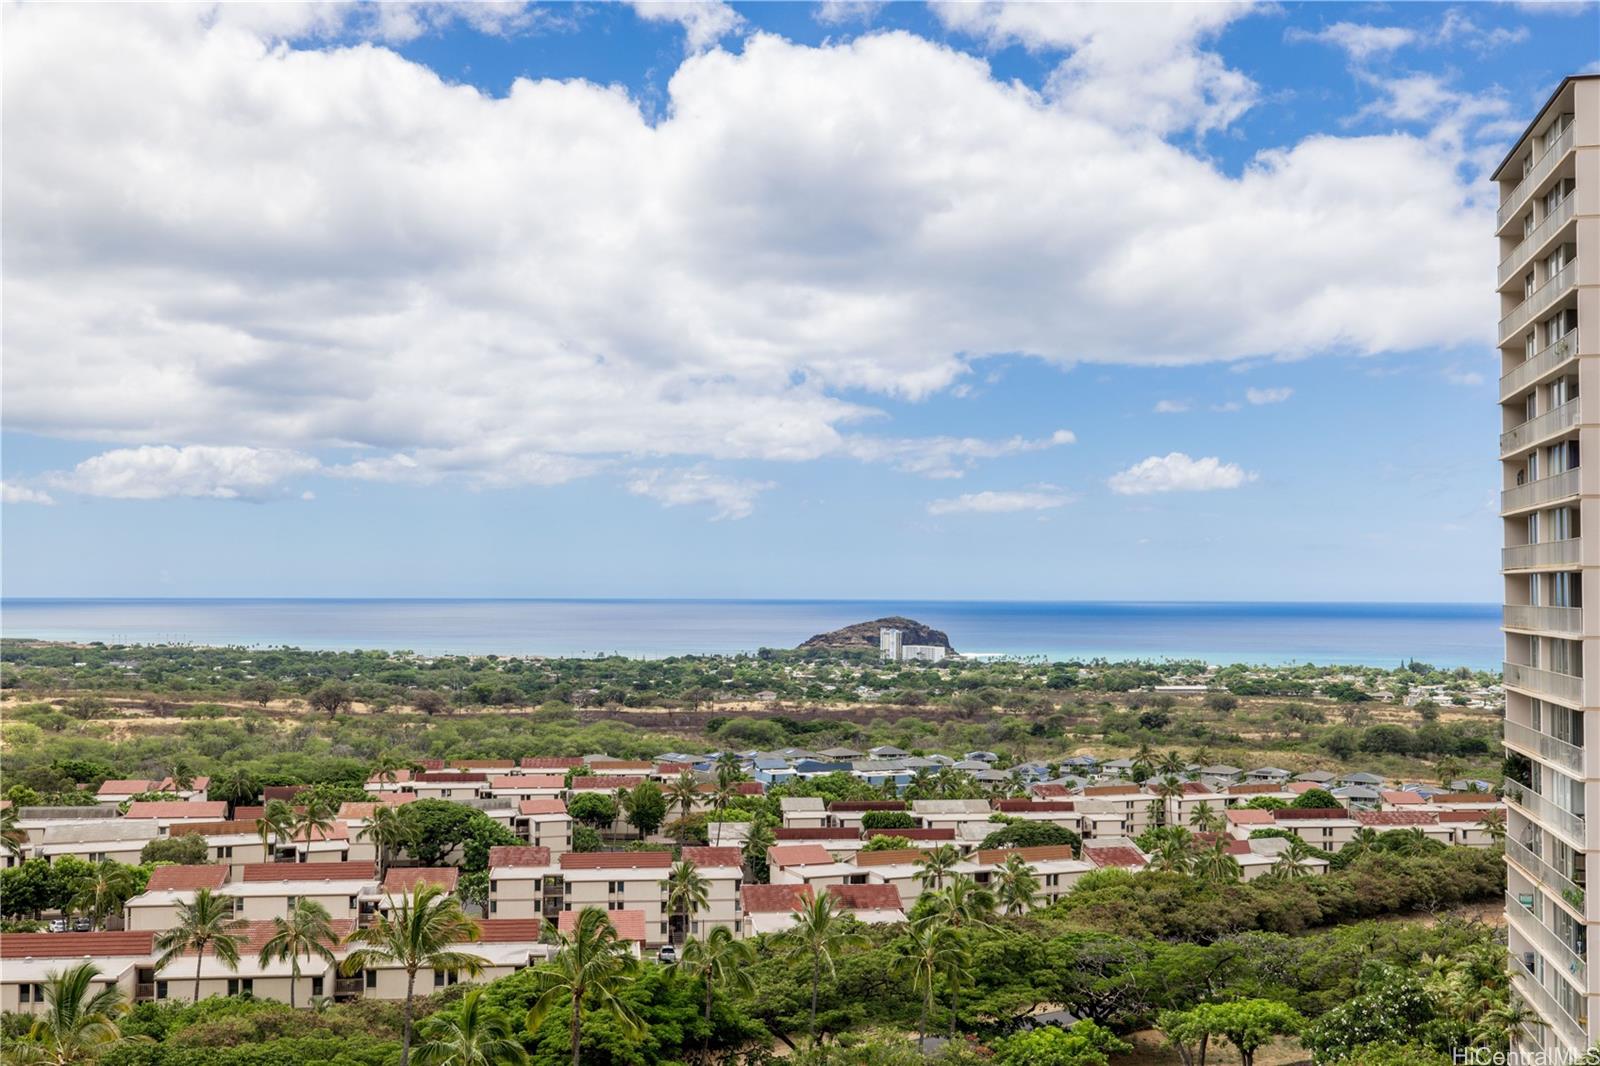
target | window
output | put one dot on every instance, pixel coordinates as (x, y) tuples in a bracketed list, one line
[(161, 990), (494, 886), (614, 887), (241, 986), (442, 978), (225, 852), (352, 903), (316, 986), (372, 978), (494, 906)]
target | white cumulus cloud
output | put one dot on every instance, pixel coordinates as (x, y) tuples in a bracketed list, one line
[(1171, 407), (1265, 396), (157, 472), (1177, 472), (1358, 39), (998, 502), (704, 22), (295, 248), (728, 497), (12, 493)]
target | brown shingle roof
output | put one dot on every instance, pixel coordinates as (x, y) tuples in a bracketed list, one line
[(213, 828), (208, 810), (482, 764), (1111, 790), (550, 762), (518, 855), (309, 871), (186, 878), (1461, 816), (775, 899), (615, 860), (1113, 856), (508, 930), (1396, 817), (1018, 806), (866, 897), (798, 855), (592, 783), (528, 781), (545, 805), (1308, 814), (890, 857), (452, 777), (1046, 853)]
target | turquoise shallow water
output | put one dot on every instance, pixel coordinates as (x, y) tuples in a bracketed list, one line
[(1360, 633)]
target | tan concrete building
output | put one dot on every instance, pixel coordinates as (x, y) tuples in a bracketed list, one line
[(619, 880), (1547, 229), (27, 960)]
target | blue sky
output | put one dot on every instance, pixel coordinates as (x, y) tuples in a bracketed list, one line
[(765, 300)]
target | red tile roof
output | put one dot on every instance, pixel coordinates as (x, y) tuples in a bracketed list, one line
[(207, 810), (1461, 816), (431, 764), (405, 879), (593, 783), (1113, 856), (1394, 795), (452, 777), (76, 945), (1249, 816), (776, 899), (890, 857), (363, 811), (714, 856), (131, 786), (622, 764), (186, 878), (483, 764), (256, 934), (615, 860), (550, 762), (866, 897), (629, 923), (309, 871), (1252, 790), (528, 781), (214, 828), (509, 930), (544, 805), (518, 855), (1050, 791), (798, 855), (282, 792), (1465, 797), (1376, 818), (1111, 790)]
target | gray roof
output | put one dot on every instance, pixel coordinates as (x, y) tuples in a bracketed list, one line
[(89, 832), (1318, 776), (878, 766), (1220, 770), (802, 803), (971, 764), (841, 753), (1361, 777), (965, 806), (885, 750)]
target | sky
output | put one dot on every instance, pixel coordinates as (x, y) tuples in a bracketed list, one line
[(951, 301)]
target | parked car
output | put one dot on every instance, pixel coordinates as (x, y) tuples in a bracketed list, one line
[(82, 925), (58, 925), (668, 955)]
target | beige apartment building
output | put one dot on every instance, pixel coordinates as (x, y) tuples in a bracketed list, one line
[(1547, 228)]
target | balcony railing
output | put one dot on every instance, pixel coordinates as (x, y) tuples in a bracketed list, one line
[(1550, 553), (1573, 1032), (1544, 619), (1533, 928), (1538, 493), (1558, 420), (1536, 238), (1537, 869), (1538, 365), (1541, 169), (1549, 815), (1544, 745), (1538, 301)]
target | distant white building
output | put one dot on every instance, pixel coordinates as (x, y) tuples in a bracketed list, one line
[(889, 644), (894, 651)]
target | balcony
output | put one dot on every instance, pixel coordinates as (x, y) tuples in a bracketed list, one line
[(1544, 746), (1536, 869), (1567, 620), (1565, 687), (1553, 422), (348, 987), (1512, 205), (1550, 553), (1536, 240), (1558, 950), (1539, 301), (1555, 818), (1572, 1032), (1545, 491), (1524, 374)]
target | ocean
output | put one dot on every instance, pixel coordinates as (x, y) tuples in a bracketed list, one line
[(1378, 634)]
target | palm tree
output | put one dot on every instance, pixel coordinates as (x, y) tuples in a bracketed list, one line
[(756, 843), (1215, 864), (1406, 841), (1289, 866), (937, 864), (1016, 886), (11, 837), (960, 904), (276, 824), (389, 831), (79, 1023), (1205, 820), (103, 893), (687, 891), (928, 950), (476, 1038), (416, 931), (726, 792), (683, 793), (388, 766), (590, 962), (208, 922), (728, 767), (1493, 823), (1171, 764), (236, 786), (1168, 788), (180, 776), (1174, 853), (819, 930), (719, 959), (308, 931), (316, 818)]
